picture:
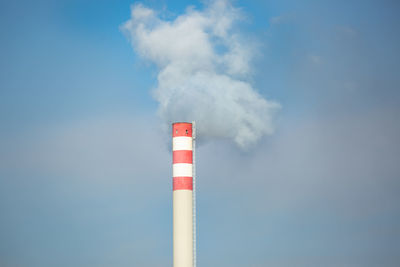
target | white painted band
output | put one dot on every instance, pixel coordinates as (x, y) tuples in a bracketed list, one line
[(182, 170), (182, 143)]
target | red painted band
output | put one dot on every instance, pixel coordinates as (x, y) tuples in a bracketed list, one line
[(182, 183), (182, 129), (182, 156)]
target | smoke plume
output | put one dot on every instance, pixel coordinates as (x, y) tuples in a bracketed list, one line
[(204, 71)]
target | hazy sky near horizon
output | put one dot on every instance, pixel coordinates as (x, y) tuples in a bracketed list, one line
[(85, 166)]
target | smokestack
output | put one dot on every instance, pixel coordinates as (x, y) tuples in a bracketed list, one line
[(182, 172)]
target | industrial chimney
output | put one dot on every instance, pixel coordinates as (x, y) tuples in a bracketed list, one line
[(183, 198)]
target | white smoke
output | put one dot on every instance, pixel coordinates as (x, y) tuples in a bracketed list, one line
[(204, 68)]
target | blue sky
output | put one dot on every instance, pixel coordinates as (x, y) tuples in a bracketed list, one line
[(79, 186)]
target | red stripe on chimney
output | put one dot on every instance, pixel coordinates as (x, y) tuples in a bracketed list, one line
[(182, 156), (182, 129), (182, 183)]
